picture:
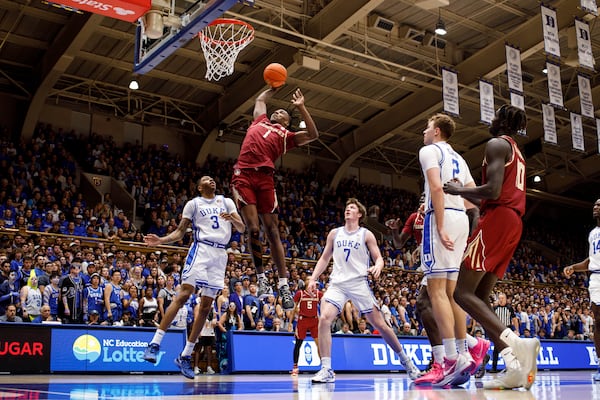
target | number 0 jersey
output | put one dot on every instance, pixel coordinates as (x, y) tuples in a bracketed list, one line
[(513, 186)]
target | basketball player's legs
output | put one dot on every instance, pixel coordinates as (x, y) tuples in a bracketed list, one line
[(271, 224), (596, 313), (426, 313)]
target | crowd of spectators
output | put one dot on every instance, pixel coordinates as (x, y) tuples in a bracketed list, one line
[(38, 193)]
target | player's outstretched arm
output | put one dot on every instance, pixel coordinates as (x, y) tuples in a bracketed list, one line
[(155, 240), (311, 133), (322, 263), (579, 267), (260, 104), (371, 243)]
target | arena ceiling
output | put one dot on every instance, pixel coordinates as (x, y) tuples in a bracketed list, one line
[(370, 95)]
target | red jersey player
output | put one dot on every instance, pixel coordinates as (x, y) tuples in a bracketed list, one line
[(308, 320), (492, 244), (253, 186)]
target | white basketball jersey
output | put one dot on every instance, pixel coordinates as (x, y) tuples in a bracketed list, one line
[(206, 222), (351, 257), (451, 165), (594, 240)]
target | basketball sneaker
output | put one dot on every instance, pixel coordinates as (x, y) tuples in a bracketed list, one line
[(325, 375), (527, 351), (151, 352), (454, 369), (210, 371), (287, 301), (482, 368), (264, 287), (185, 366), (510, 378), (434, 375), (411, 369), (478, 352)]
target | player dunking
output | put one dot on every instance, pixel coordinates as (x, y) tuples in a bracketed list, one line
[(253, 186), (351, 247), (492, 244), (308, 320), (592, 264)]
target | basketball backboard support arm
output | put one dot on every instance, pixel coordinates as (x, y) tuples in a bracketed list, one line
[(192, 22)]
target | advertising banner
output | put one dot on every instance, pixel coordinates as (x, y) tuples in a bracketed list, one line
[(370, 353), (127, 10), (24, 348), (111, 350)]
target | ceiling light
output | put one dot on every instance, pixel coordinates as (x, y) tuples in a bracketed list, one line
[(440, 27), (302, 125), (537, 179), (134, 85), (545, 71)]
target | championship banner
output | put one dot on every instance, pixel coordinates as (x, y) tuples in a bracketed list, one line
[(550, 27), (585, 96), (598, 133), (589, 6), (450, 92), (555, 94), (584, 44), (577, 132), (486, 101), (513, 68), (549, 124), (517, 100)]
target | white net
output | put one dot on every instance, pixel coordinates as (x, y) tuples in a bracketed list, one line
[(221, 42)]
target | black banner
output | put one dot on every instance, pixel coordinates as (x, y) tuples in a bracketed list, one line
[(24, 348)]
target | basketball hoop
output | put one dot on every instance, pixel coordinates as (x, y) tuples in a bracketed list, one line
[(221, 41)]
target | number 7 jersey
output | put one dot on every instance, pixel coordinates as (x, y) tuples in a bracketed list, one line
[(513, 186), (351, 257)]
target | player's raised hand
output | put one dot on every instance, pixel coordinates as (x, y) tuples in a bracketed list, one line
[(297, 98), (393, 224)]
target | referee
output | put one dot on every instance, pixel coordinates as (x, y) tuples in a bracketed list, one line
[(506, 314)]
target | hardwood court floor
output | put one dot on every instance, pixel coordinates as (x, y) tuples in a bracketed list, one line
[(575, 385)]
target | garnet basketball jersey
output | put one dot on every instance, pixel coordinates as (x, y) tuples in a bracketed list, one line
[(513, 186)]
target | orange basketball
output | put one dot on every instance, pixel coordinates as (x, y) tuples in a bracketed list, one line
[(275, 75)]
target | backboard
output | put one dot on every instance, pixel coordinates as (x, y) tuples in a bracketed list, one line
[(165, 29)]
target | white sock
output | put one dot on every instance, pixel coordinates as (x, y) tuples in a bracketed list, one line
[(403, 357), (438, 354), (509, 337), (282, 282), (187, 350), (158, 336), (326, 362), (261, 276), (461, 345), (509, 357), (471, 341), (450, 348)]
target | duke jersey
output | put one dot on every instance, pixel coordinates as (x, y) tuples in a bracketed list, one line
[(512, 194), (452, 167), (207, 225), (351, 256), (95, 299), (33, 302), (594, 240), (51, 298)]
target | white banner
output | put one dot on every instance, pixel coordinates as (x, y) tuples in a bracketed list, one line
[(555, 93), (450, 92), (517, 100), (584, 45), (585, 96), (577, 132), (551, 39), (598, 133), (513, 67), (486, 101), (589, 6), (549, 124)]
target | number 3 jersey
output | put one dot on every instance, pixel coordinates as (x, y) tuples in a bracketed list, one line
[(351, 257), (206, 223)]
